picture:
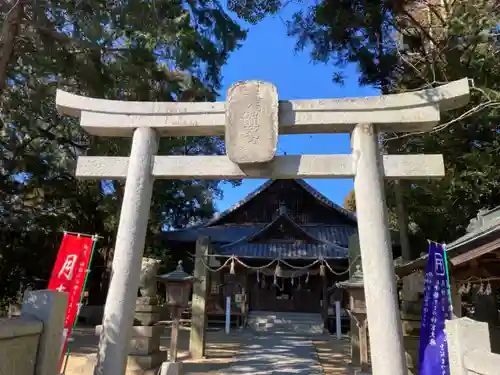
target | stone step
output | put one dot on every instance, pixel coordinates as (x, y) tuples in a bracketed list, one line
[(286, 315), (286, 323)]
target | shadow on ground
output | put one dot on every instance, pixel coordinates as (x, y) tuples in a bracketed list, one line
[(241, 352), (334, 355), (275, 354)]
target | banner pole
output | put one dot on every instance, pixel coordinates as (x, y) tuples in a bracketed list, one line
[(82, 234), (445, 256), (94, 237)]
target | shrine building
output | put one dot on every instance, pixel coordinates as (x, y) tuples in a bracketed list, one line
[(285, 245)]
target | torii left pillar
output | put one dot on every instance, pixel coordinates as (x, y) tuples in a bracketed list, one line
[(129, 248)]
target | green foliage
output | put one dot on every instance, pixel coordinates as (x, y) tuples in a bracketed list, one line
[(127, 50), (349, 31), (444, 41), (350, 201), (466, 45), (254, 10)]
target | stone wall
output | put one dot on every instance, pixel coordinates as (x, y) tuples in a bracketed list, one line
[(31, 344), (469, 348), (19, 339)]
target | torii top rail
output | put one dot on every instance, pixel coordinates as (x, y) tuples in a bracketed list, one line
[(418, 110)]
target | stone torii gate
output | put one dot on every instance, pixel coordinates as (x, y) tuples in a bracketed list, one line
[(251, 119)]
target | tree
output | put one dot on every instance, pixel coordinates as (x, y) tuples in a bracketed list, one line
[(349, 31), (130, 50), (408, 45), (350, 201)]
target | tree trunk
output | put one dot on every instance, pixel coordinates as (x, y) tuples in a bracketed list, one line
[(402, 222), (8, 36)]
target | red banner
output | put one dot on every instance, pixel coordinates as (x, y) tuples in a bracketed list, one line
[(68, 275)]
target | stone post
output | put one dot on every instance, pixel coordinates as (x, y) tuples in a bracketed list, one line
[(129, 248), (384, 322), (49, 307), (197, 337), (354, 260), (338, 321)]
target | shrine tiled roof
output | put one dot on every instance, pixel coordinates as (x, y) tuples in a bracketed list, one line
[(281, 219), (224, 234), (280, 237), (309, 246), (284, 251)]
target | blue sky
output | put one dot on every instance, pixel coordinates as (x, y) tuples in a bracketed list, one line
[(269, 54)]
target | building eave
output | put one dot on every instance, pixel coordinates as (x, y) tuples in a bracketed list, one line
[(456, 248)]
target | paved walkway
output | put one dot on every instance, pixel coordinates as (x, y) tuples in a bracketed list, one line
[(274, 355), (241, 353)]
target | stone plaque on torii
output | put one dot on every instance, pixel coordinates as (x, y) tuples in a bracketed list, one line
[(251, 119)]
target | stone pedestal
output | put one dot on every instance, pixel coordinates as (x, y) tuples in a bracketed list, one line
[(411, 338), (411, 310), (144, 347), (147, 311)]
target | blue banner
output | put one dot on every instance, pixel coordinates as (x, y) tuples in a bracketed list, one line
[(433, 350)]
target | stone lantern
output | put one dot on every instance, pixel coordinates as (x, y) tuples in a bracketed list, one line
[(357, 310), (178, 286)]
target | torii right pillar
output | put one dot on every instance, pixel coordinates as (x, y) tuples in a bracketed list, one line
[(384, 321), (380, 285)]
